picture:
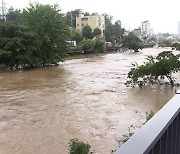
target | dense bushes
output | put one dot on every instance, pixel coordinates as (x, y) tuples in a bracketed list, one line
[(99, 46), (39, 40), (176, 46), (18, 45), (94, 46), (87, 45), (165, 43), (133, 42)]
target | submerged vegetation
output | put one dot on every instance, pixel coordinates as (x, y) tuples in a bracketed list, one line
[(78, 147), (149, 115), (132, 42), (130, 133), (154, 69)]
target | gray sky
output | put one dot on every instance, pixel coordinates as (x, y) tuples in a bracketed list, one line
[(162, 14)]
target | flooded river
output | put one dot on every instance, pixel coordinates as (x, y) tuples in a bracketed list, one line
[(42, 109)]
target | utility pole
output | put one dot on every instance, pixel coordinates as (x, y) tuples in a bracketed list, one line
[(3, 15)]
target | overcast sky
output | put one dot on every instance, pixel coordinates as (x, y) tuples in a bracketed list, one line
[(162, 14)]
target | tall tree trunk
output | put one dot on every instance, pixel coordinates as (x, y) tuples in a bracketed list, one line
[(170, 80)]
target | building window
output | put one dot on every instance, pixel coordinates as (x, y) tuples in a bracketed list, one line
[(77, 25), (82, 24), (84, 19), (99, 24)]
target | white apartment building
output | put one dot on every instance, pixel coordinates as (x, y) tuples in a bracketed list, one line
[(145, 28)]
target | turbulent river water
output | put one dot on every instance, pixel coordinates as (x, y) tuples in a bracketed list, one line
[(42, 109)]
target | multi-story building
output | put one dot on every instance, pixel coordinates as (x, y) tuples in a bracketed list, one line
[(137, 32), (145, 29), (95, 21), (178, 28)]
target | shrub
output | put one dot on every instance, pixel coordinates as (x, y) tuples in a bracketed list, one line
[(87, 45), (99, 46), (95, 46), (165, 43), (77, 147), (128, 135), (149, 115), (176, 46)]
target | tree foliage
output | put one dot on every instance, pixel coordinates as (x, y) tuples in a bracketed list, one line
[(87, 14), (97, 32), (39, 41), (176, 46), (95, 46), (71, 17), (14, 16), (87, 45), (99, 46), (76, 35), (87, 32), (156, 68), (133, 42), (118, 31), (18, 45), (52, 32), (108, 28), (165, 43), (113, 32)]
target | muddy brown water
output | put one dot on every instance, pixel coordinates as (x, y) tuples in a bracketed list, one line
[(42, 109)]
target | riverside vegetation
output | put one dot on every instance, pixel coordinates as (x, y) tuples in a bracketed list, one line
[(38, 40), (154, 69), (26, 42), (38, 36)]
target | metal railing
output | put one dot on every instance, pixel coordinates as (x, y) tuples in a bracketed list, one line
[(160, 135)]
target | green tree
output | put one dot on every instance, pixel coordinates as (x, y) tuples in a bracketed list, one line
[(87, 32), (133, 42), (165, 43), (150, 42), (159, 67), (94, 14), (14, 16), (118, 31), (108, 28), (87, 14), (113, 32), (76, 35), (87, 45), (18, 46), (99, 46), (176, 46), (52, 32), (71, 17), (97, 32), (95, 46)]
